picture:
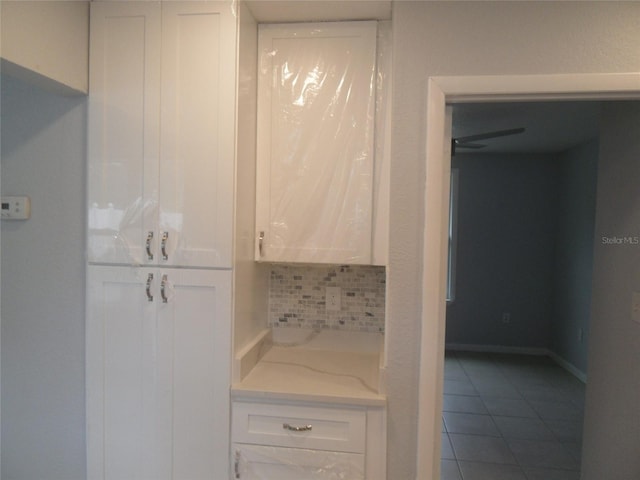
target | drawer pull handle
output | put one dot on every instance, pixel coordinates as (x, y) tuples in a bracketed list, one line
[(303, 428)]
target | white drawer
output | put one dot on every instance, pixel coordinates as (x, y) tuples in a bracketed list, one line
[(259, 462), (317, 428)]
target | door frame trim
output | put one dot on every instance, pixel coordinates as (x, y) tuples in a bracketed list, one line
[(443, 90)]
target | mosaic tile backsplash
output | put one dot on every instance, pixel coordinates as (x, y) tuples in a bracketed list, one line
[(297, 297)]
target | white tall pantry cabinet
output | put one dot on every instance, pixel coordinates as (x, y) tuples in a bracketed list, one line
[(161, 160)]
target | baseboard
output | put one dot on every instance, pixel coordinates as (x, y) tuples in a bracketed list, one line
[(463, 347), (569, 367)]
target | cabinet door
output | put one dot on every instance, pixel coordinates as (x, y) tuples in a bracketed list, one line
[(121, 373), (124, 130), (194, 352), (316, 142), (162, 133), (158, 369), (198, 134), (261, 462)]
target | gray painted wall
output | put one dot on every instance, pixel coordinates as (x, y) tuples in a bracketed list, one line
[(612, 414), (525, 246), (574, 254), (43, 156), (507, 218)]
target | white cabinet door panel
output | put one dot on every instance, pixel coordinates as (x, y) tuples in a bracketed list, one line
[(198, 135), (316, 102), (158, 373), (120, 374), (162, 133), (194, 348), (123, 129)]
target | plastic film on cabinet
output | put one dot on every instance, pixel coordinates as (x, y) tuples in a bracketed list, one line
[(318, 97), (259, 462)]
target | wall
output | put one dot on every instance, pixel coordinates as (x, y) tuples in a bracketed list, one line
[(525, 247), (574, 255), (612, 415), (47, 43), (43, 156), (507, 217), (297, 297), (469, 38)]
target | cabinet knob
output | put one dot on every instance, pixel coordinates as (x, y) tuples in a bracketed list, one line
[(148, 246)]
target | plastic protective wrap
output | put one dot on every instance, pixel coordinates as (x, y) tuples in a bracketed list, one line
[(259, 462), (161, 133), (317, 95)]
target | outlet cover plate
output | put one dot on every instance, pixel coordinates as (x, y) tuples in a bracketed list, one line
[(332, 297)]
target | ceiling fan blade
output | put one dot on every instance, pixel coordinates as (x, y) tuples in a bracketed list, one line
[(469, 145), (485, 136)]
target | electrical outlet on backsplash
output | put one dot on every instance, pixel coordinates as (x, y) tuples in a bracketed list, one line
[(297, 297)]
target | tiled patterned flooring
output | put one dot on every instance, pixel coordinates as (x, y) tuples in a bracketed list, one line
[(510, 417)]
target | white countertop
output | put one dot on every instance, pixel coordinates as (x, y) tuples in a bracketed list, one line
[(316, 368)]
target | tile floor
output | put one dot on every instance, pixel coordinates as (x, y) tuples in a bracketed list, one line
[(510, 417)]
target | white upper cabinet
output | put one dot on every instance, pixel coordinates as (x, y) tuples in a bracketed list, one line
[(315, 159), (161, 133)]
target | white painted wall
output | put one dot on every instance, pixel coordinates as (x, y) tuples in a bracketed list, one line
[(43, 156), (612, 414), (469, 38), (47, 43)]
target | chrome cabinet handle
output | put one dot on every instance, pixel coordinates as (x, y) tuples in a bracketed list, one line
[(260, 242), (163, 245), (149, 280), (163, 292), (292, 428), (148, 245), (236, 464)]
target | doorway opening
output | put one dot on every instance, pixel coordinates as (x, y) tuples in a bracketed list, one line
[(448, 90), (525, 203)]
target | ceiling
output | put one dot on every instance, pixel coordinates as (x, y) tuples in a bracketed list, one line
[(549, 126)]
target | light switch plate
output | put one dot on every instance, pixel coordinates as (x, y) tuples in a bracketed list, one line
[(16, 207)]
